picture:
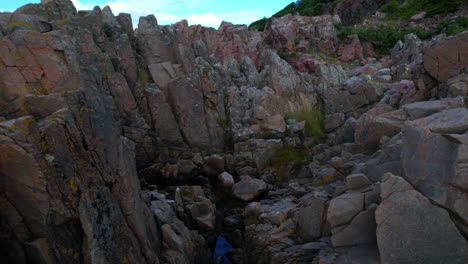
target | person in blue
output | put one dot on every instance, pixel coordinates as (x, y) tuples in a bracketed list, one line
[(222, 248)]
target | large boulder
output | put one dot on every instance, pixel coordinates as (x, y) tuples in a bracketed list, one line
[(360, 231), (374, 125), (434, 158), (443, 59), (344, 208), (412, 230)]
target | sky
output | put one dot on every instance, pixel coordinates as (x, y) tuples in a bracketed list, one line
[(205, 12)]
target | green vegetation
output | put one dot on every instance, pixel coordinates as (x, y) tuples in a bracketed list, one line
[(453, 27), (144, 75), (287, 160), (288, 154), (259, 25), (409, 8), (314, 121), (383, 37)]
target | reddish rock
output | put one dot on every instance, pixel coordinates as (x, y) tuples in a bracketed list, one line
[(444, 59), (351, 49), (318, 33), (306, 63)]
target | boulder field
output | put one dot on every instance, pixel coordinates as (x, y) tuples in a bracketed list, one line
[(123, 145)]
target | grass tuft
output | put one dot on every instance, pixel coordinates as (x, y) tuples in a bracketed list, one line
[(314, 121)]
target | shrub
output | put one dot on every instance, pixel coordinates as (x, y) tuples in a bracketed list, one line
[(259, 25), (453, 27), (383, 37), (413, 7), (314, 121), (287, 160), (288, 154)]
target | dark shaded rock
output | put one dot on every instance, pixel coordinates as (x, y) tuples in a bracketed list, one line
[(248, 189)]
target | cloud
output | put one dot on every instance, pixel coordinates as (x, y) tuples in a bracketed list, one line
[(166, 11)]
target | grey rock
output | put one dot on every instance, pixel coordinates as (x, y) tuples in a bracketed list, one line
[(309, 218), (422, 109), (344, 208), (361, 230), (441, 175), (334, 121), (248, 189), (357, 181), (407, 225)]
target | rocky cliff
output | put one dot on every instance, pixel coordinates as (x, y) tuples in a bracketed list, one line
[(142, 146)]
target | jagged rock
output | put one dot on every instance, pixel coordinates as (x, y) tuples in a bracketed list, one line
[(248, 189), (49, 10), (318, 32), (442, 59), (407, 225), (351, 49)]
